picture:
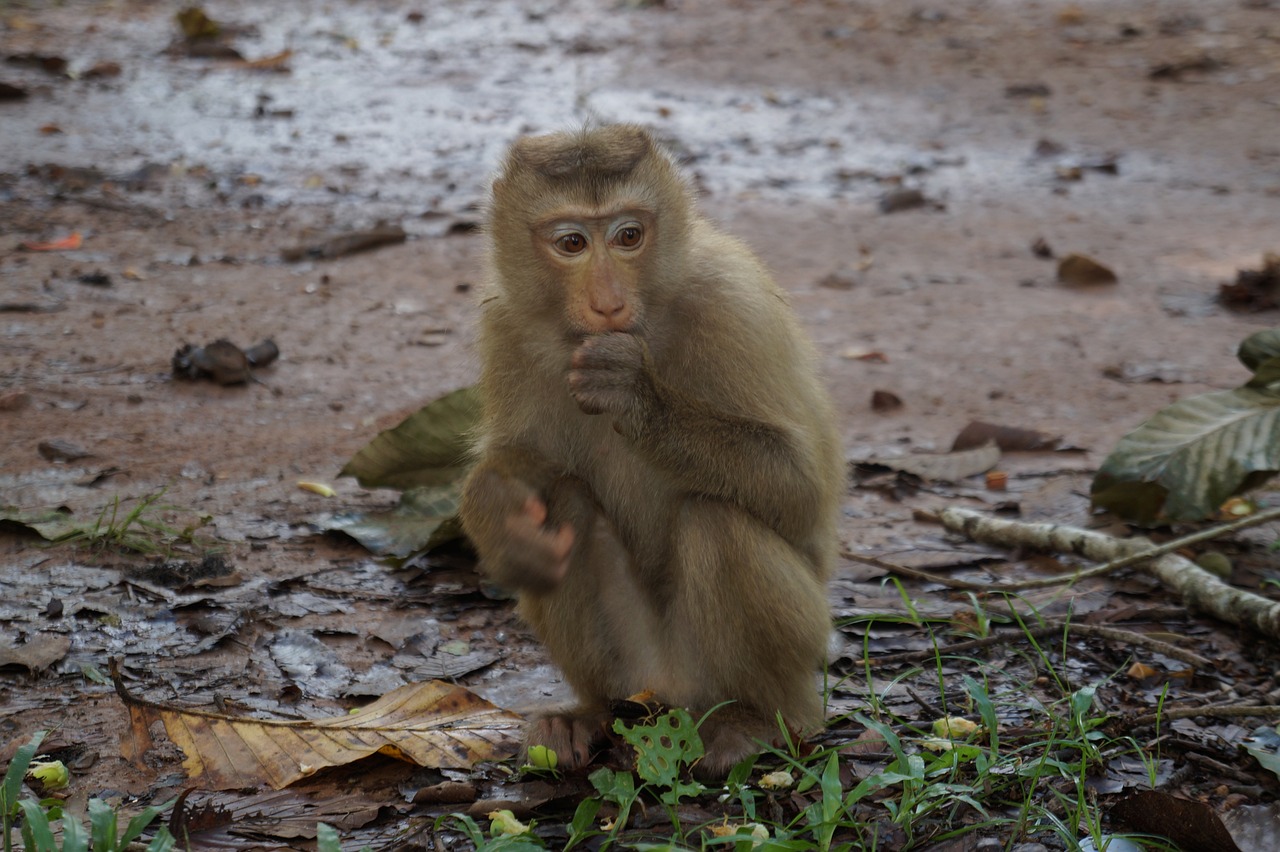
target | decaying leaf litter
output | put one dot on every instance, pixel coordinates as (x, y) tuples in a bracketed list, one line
[(390, 118)]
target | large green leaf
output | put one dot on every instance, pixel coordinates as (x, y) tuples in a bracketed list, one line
[(425, 517), (1183, 463), (429, 448), (1259, 347)]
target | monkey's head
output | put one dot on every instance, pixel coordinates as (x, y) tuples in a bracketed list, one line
[(589, 227)]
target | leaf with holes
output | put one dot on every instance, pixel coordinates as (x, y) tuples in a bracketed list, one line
[(663, 747), (433, 724)]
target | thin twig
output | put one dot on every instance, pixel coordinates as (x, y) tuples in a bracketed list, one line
[(1110, 634), (1075, 576), (1142, 640), (1218, 711)]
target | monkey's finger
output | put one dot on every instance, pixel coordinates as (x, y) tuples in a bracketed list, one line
[(535, 510), (562, 542), (612, 348)]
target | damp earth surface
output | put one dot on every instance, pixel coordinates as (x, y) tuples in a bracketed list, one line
[(912, 173)]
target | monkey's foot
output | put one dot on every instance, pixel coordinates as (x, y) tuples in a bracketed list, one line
[(574, 736), (730, 738)]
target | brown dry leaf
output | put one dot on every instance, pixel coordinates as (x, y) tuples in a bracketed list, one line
[(433, 724), (1008, 438), (943, 467), (70, 243), (37, 653), (1079, 270), (275, 62)]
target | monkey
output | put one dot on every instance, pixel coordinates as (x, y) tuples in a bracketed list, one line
[(658, 473)]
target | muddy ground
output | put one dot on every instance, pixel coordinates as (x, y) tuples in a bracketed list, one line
[(1142, 134)]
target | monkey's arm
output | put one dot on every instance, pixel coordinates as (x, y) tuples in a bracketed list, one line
[(523, 544), (767, 468)]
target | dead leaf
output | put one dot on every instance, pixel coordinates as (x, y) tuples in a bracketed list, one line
[(1008, 438), (222, 361), (349, 243), (1167, 372), (425, 517), (1198, 63), (1078, 270), (70, 243), (213, 820), (1190, 825), (276, 62), (897, 200), (884, 401), (1253, 289), (862, 353), (102, 69), (37, 653), (943, 467), (196, 24), (433, 724), (1141, 671), (61, 451)]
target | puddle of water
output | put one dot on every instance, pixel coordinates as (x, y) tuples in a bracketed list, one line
[(400, 118)]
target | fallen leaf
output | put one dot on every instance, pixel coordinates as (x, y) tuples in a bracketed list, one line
[(943, 467), (37, 653), (1008, 438), (1253, 289), (1264, 745), (1190, 825), (1078, 270), (885, 401), (344, 244), (102, 69), (196, 24), (275, 62), (70, 243), (430, 447), (897, 200), (861, 353), (62, 451), (1200, 62), (51, 524), (433, 724), (1167, 372), (1141, 671), (1027, 90), (424, 518)]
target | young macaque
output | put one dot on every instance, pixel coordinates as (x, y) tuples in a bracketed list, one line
[(658, 469)]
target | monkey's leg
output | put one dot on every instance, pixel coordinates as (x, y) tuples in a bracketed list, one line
[(748, 624), (597, 625)]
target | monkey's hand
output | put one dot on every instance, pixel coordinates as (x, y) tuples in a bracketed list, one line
[(610, 374), (507, 522)]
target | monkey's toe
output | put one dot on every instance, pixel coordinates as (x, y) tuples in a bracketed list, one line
[(575, 737), (727, 744)]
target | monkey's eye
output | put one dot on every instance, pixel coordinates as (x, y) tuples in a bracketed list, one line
[(572, 243), (628, 237)]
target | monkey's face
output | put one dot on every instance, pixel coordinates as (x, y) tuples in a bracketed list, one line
[(599, 259)]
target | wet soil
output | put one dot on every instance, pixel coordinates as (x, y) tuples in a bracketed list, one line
[(1141, 134)]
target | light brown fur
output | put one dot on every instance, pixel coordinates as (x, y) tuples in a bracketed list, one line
[(659, 473)]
